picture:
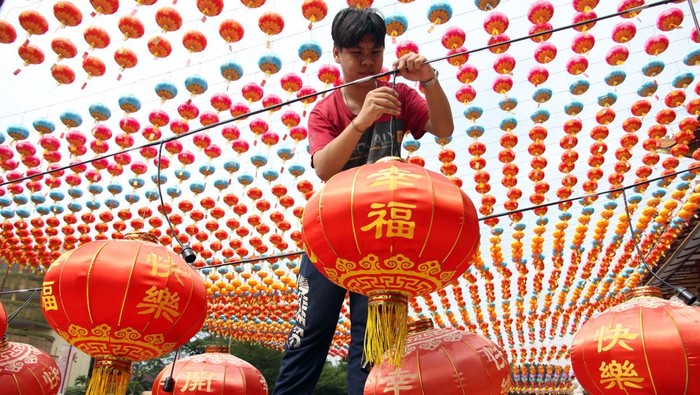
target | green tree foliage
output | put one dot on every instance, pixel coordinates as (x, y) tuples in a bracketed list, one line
[(78, 388)]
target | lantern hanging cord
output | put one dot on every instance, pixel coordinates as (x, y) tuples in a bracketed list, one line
[(185, 250), (333, 88), (26, 302), (685, 295), (694, 16), (169, 382)]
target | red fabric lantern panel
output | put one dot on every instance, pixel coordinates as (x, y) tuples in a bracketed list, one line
[(24, 369), (646, 345), (122, 301), (3, 320), (444, 362), (214, 372), (390, 230)]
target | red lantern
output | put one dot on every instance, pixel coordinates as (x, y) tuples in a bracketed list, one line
[(63, 74), (541, 11), (194, 41), (231, 31), (33, 22), (3, 320), (64, 48), (583, 43), (496, 23), (456, 362), (215, 371), (96, 37), (131, 27), (387, 243), (159, 47), (644, 345), (545, 52), (8, 34), (169, 19), (314, 11), (24, 369), (210, 7), (67, 13), (162, 304), (453, 37), (271, 23), (126, 59)]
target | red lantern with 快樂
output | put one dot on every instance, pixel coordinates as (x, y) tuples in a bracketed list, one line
[(159, 304), (215, 371), (398, 231), (444, 361), (646, 345), (24, 369)]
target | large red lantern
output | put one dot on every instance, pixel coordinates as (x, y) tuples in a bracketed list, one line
[(645, 345), (215, 371), (398, 231), (3, 320), (445, 362), (156, 303), (24, 369)]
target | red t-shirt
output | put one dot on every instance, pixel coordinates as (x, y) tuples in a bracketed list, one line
[(331, 116)]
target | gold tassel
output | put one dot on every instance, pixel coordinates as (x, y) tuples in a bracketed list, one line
[(110, 376), (387, 327)]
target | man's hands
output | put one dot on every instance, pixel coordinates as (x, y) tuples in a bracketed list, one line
[(379, 101), (384, 100), (413, 67)]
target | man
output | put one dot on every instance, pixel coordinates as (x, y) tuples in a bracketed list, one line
[(353, 126)]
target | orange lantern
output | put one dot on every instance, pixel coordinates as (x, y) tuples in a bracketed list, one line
[(24, 369), (644, 345), (161, 304), (456, 362), (399, 231), (215, 371)]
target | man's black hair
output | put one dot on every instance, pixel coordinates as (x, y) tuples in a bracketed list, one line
[(351, 24)]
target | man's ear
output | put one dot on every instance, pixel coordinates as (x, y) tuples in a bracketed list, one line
[(336, 54)]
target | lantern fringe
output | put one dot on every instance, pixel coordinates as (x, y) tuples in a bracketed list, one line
[(110, 376), (387, 327)]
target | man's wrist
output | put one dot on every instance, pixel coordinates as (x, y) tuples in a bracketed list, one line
[(354, 126), (430, 82)]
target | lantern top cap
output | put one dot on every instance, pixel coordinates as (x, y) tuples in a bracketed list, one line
[(645, 291), (421, 325), (141, 236), (390, 159), (216, 348)]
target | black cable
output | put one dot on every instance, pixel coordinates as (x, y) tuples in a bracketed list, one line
[(330, 89), (26, 302), (685, 295), (169, 382), (186, 251)]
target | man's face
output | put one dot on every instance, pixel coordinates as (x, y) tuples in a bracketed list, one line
[(364, 60)]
